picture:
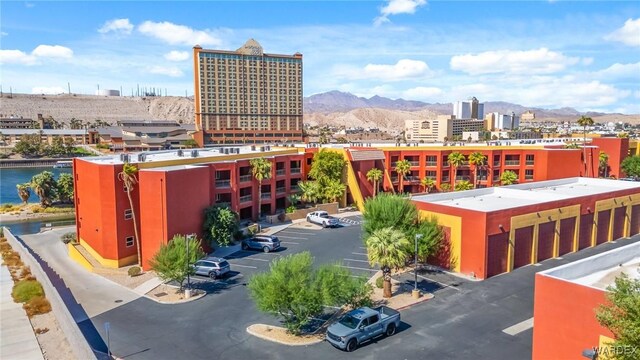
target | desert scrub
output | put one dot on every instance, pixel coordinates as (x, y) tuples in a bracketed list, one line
[(69, 237), (10, 208), (379, 282), (25, 290), (36, 306), (134, 271)]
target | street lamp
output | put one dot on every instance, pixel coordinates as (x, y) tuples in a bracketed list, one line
[(415, 266)]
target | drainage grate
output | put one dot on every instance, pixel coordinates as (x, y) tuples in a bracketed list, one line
[(118, 301)]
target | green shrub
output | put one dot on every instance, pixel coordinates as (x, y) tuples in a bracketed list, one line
[(25, 290), (379, 282), (134, 271), (69, 237), (290, 209)]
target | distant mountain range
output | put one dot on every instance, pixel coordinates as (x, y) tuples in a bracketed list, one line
[(337, 101)]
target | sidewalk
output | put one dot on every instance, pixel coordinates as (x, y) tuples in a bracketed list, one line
[(17, 340)]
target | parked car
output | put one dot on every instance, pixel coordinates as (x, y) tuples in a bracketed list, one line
[(213, 267), (265, 243), (322, 218), (363, 324)]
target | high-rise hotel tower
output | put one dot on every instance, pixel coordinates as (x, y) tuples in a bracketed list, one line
[(247, 96)]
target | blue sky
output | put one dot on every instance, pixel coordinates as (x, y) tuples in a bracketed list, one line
[(581, 54)]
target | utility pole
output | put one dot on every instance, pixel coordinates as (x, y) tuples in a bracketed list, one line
[(416, 293)]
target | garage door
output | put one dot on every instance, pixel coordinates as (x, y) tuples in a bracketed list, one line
[(497, 254), (586, 225), (546, 233), (523, 243), (567, 228), (602, 234), (618, 222)]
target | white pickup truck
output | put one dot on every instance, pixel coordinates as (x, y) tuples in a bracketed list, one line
[(322, 218)]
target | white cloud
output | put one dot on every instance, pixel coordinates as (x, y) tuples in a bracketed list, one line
[(16, 57), (620, 71), (422, 93), (628, 34), (403, 69), (168, 71), (122, 26), (538, 61), (48, 90), (52, 51), (177, 34), (176, 55), (395, 7)]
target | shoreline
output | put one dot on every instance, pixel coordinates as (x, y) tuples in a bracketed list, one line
[(6, 219)]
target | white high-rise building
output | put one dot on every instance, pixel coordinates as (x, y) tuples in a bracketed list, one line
[(504, 122), (470, 109)]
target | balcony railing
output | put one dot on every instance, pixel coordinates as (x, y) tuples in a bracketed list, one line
[(413, 178), (265, 195), (414, 163), (280, 172), (529, 162), (394, 178), (223, 183), (462, 177), (496, 163), (445, 179), (512, 162), (296, 170), (245, 178), (432, 163), (281, 190), (295, 188), (245, 198)]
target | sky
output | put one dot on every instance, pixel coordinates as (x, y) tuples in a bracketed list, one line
[(549, 54)]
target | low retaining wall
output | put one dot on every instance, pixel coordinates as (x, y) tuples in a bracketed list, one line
[(76, 339), (331, 208)]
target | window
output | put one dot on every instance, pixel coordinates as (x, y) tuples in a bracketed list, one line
[(128, 214), (528, 174), (128, 241)]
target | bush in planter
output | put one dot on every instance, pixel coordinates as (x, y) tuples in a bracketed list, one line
[(379, 282), (290, 209), (25, 290), (134, 271)]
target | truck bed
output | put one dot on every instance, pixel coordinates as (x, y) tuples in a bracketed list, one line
[(386, 312)]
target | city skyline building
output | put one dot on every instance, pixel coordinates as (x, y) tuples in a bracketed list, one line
[(247, 95), (470, 109)]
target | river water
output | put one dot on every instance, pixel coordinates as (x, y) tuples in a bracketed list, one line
[(9, 178)]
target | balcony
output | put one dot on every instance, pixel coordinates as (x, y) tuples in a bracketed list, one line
[(432, 163), (413, 178), (245, 198), (512, 162), (265, 195), (529, 162), (281, 190), (528, 177), (281, 172), (295, 188), (223, 183), (414, 163), (296, 170), (496, 163), (394, 178), (245, 178)]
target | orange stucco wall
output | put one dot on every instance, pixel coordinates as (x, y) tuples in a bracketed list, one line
[(617, 149), (564, 319)]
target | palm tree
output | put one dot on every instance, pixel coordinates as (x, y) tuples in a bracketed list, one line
[(374, 175), (508, 177), (44, 185), (261, 170), (387, 248), (476, 159), (128, 177), (403, 167), (455, 160), (310, 191), (445, 187), (603, 159), (24, 192), (428, 184), (585, 121), (463, 185), (334, 190)]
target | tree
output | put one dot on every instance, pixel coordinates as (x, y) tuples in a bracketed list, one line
[(477, 160), (295, 291), (455, 160), (261, 170), (220, 224), (445, 187), (311, 191), (128, 177), (428, 184), (631, 166), (171, 262), (403, 167), (431, 241), (585, 121), (334, 190), (508, 178), (463, 185), (603, 162), (327, 165), (44, 185), (69, 145), (388, 210), (56, 148), (571, 146), (24, 192), (65, 187), (621, 315), (190, 144), (374, 175), (386, 247), (30, 145)]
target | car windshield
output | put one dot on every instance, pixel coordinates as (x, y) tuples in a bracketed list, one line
[(349, 321), (324, 215), (224, 264)]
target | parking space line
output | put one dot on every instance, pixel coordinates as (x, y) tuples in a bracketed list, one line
[(247, 258), (244, 266), (293, 237), (364, 261), (289, 242), (519, 327), (358, 268), (363, 248), (294, 232), (438, 282), (356, 253)]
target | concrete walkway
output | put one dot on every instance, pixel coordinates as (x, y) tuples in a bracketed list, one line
[(17, 340)]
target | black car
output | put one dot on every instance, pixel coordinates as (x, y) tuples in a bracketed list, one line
[(265, 243)]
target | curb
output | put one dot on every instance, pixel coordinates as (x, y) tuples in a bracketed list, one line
[(193, 298), (264, 337), (426, 298)]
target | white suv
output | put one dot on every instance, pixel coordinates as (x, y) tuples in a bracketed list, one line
[(322, 218)]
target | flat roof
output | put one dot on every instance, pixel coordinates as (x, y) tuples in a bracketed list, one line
[(513, 196), (599, 271), (44, 131)]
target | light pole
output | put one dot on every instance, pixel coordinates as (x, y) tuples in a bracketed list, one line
[(416, 293)]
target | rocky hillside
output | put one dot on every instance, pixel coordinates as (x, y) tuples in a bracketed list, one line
[(390, 121)]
